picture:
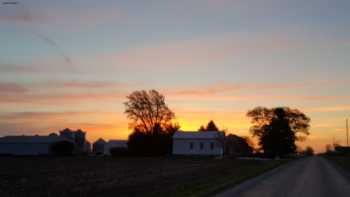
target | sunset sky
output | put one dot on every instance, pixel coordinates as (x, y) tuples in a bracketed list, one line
[(72, 63)]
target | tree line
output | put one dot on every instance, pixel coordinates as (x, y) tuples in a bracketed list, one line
[(276, 129)]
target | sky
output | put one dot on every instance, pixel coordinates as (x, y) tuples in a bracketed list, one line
[(72, 63)]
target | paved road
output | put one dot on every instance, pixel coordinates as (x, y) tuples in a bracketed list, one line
[(311, 177)]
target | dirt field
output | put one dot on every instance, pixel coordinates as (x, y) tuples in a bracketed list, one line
[(123, 176)]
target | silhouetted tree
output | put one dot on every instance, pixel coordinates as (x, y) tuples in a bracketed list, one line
[(211, 126), (309, 151), (158, 142), (342, 150), (147, 109), (151, 123), (329, 149), (278, 129), (238, 146), (62, 148), (202, 128)]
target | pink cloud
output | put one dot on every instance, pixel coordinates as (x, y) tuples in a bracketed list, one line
[(62, 92), (223, 88), (65, 85), (62, 98), (336, 108), (92, 85), (50, 116), (11, 88), (70, 92), (200, 53)]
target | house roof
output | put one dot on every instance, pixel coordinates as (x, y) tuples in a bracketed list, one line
[(31, 139), (100, 141), (197, 134), (117, 143)]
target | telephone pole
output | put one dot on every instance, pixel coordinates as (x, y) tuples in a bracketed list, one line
[(347, 132)]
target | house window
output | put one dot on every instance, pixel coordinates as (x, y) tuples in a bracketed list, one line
[(212, 145), (201, 145), (191, 145)]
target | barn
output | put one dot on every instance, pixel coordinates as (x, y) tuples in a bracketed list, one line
[(28, 145), (206, 143)]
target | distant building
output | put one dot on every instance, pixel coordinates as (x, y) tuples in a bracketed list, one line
[(102, 147), (98, 147), (237, 146), (78, 137), (344, 150), (209, 143), (115, 144), (41, 145), (28, 145), (87, 147)]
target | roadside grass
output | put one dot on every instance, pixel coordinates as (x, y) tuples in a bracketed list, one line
[(104, 177), (342, 161), (222, 181)]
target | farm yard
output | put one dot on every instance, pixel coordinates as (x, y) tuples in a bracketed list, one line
[(102, 176)]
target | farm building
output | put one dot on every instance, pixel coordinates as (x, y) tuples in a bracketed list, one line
[(28, 145), (78, 138), (41, 145), (98, 147), (115, 144), (101, 147), (209, 143)]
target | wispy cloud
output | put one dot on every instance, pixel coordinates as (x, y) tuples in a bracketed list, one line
[(45, 67), (335, 108), (200, 53), (75, 15), (69, 92), (225, 87), (6, 88), (62, 92), (89, 84), (19, 69), (62, 98), (110, 124)]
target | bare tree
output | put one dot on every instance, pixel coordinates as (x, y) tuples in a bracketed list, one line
[(147, 110)]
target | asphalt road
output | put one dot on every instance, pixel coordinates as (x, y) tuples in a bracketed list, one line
[(310, 177)]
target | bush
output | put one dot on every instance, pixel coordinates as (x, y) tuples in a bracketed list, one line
[(119, 152), (150, 144), (62, 148)]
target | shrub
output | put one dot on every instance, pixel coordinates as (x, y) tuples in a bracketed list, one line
[(62, 148), (119, 152)]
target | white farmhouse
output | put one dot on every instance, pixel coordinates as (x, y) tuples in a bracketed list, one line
[(209, 143)]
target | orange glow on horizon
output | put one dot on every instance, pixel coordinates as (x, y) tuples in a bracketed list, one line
[(114, 125)]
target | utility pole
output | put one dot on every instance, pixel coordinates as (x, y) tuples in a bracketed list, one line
[(347, 132)]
